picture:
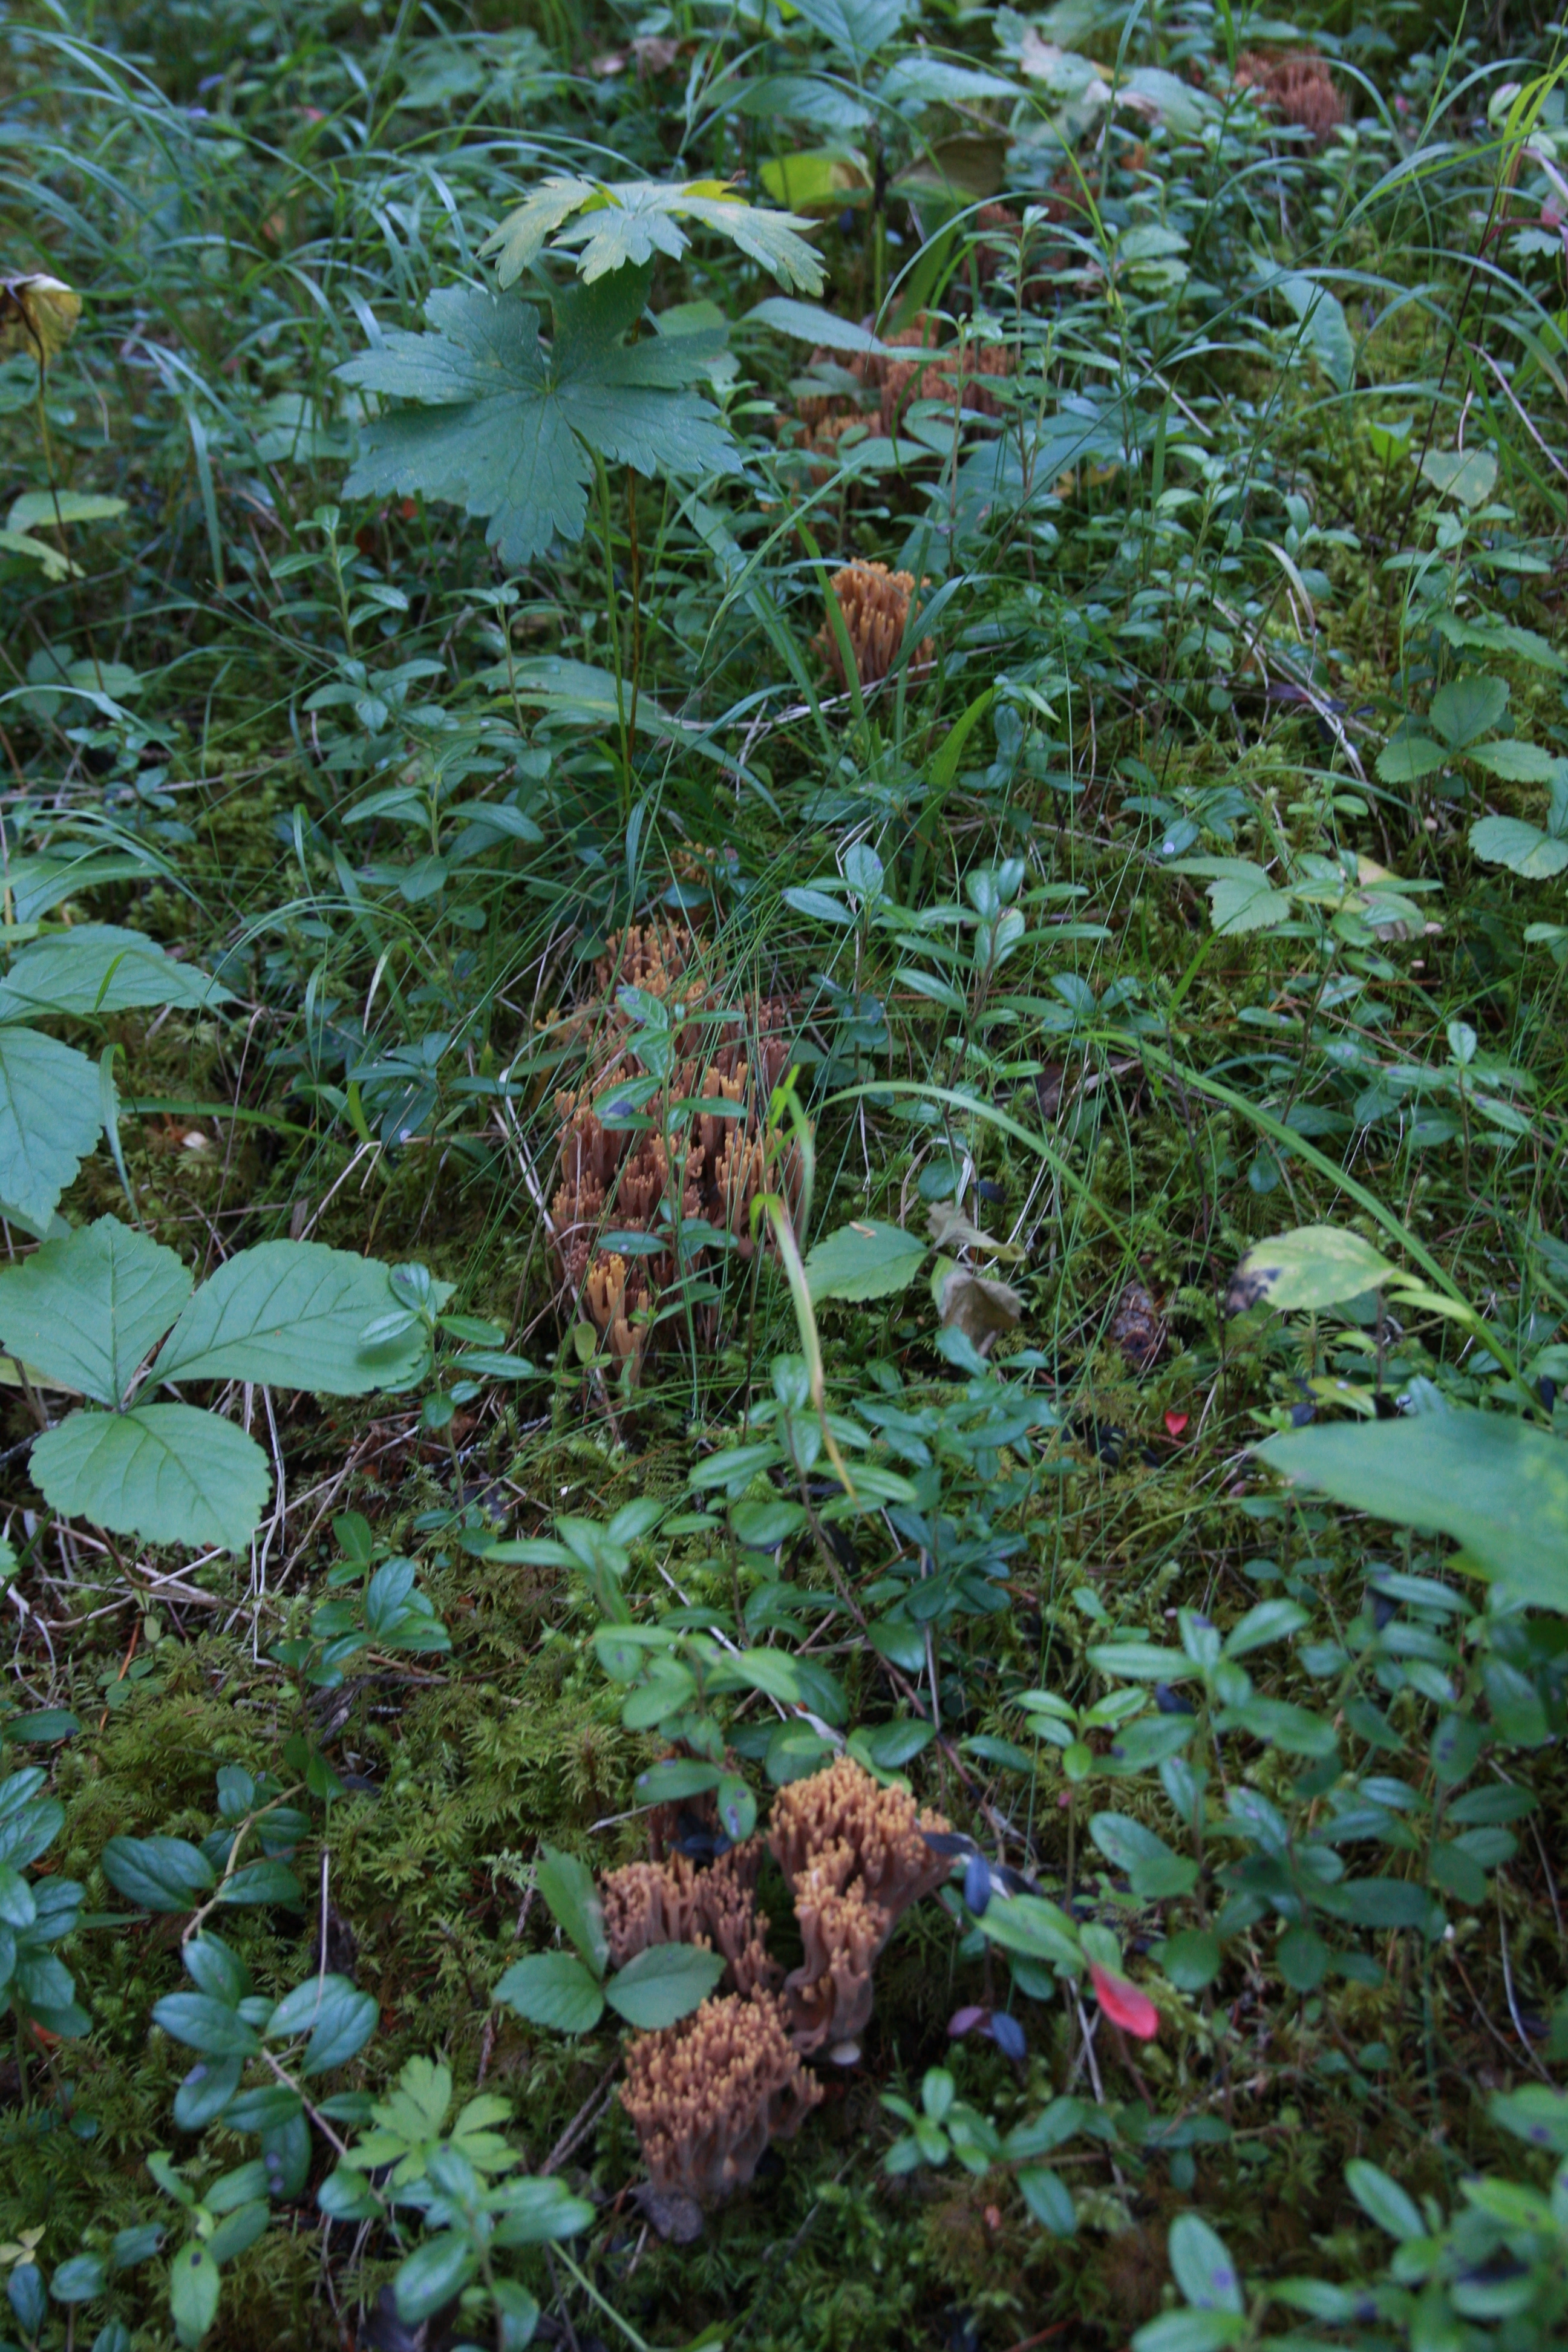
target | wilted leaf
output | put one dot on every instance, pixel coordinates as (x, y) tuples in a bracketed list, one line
[(972, 1303)]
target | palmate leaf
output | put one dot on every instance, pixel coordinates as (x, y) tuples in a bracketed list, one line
[(508, 426), (626, 225)]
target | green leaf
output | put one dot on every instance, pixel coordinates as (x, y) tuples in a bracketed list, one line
[(37, 884), (553, 1989), (204, 2023), (1409, 757), (856, 29), (1280, 1724), (86, 1311), (567, 1886), (535, 2211), (433, 2274), (167, 1473), (1201, 2266), (1522, 848), (98, 968), (1191, 1959), (52, 507), (1311, 1267), (195, 2283), (1327, 330), (1383, 2200), (1241, 897), (79, 2280), (627, 224), (294, 1315), (158, 1874), (511, 428), (1155, 1872), (1190, 2331), (808, 324), (1468, 475), (1049, 2198), (1537, 2114), (1498, 1486), (1515, 762), (1034, 1926), (337, 2016), (51, 1116), (1302, 1958), (240, 2231), (663, 1983), (1469, 708), (864, 1259)]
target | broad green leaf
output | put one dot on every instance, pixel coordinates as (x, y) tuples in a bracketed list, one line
[(337, 2016), (1035, 1926), (101, 968), (1049, 2198), (204, 2023), (158, 1874), (435, 2273), (662, 1984), (55, 566), (1522, 848), (1515, 762), (1154, 1872), (1326, 330), (1190, 2331), (1468, 708), (1241, 896), (810, 324), (88, 1309), (51, 1116), (1409, 757), (509, 426), (195, 2284), (1201, 2266), (1280, 1724), (1302, 1958), (1537, 2114), (554, 1989), (167, 1473), (50, 507), (1383, 2200), (612, 226), (864, 1259), (1192, 1959), (568, 1887), (39, 883), (294, 1315), (1311, 1267), (1498, 1486), (80, 2280), (1468, 475), (856, 29)]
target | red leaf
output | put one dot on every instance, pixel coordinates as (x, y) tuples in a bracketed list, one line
[(1125, 2005), (1176, 1421)]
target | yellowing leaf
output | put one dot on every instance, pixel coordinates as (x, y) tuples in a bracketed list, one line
[(37, 315)]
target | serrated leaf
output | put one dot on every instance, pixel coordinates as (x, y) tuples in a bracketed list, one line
[(1409, 759), (514, 423), (663, 1983), (1514, 761), (99, 967), (1241, 896), (864, 1259), (856, 29), (86, 1311), (554, 1989), (293, 1314), (1498, 1486), (1469, 708), (167, 1473), (1522, 848), (51, 1116), (614, 226)]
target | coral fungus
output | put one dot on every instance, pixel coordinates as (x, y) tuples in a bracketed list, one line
[(674, 1902), (875, 605), (855, 1858), (707, 2095), (1296, 86)]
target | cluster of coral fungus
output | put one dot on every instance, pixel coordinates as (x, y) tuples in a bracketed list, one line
[(960, 374), (707, 2095), (1295, 85), (628, 1179), (874, 604)]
